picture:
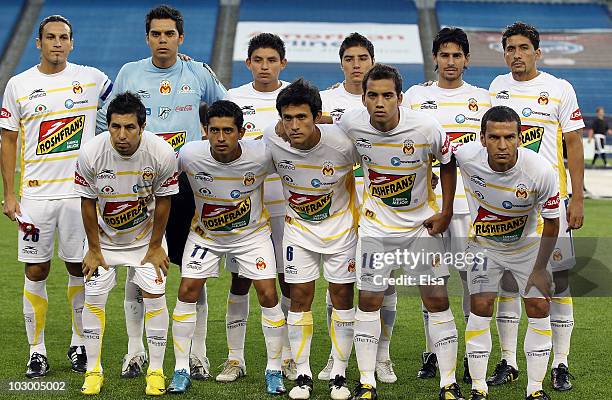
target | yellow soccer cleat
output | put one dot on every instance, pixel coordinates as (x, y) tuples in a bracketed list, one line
[(93, 383), (156, 383)]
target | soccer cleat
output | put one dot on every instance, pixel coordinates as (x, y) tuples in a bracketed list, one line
[(199, 370), (324, 375), (539, 395), (181, 381), (384, 372), (451, 392), (38, 366), (430, 365), (467, 378), (302, 388), (503, 373), (93, 383), (156, 382), (78, 358), (133, 365), (476, 394), (232, 370), (274, 382), (364, 391), (289, 369), (338, 389), (560, 378)]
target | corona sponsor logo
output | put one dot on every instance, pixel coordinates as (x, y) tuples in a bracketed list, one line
[(221, 217), (164, 87), (311, 207), (249, 179), (125, 214), (60, 135), (531, 137), (543, 99), (473, 105), (174, 139), (77, 88), (499, 228), (260, 263), (408, 147), (328, 169), (521, 191), (393, 190)]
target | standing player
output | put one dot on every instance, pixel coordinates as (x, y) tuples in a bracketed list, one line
[(227, 177), (125, 178), (171, 90), (320, 228), (515, 186), (549, 114), (458, 107), (395, 144), (257, 99), (53, 105), (356, 59)]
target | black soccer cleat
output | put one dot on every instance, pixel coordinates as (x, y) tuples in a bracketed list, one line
[(476, 394), (38, 366), (467, 378), (364, 391), (78, 358), (503, 373), (451, 392), (429, 367), (560, 378), (539, 395)]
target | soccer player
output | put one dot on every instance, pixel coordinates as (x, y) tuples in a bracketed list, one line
[(53, 105), (549, 114), (356, 59), (171, 90), (458, 107), (509, 189), (320, 228), (395, 145), (125, 178), (257, 99), (227, 176)]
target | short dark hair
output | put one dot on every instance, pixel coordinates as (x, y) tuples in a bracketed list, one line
[(523, 29), (356, 40), (53, 18), (127, 103), (451, 35), (203, 110), (297, 93), (383, 71), (225, 108), (164, 12), (267, 41), (500, 114)]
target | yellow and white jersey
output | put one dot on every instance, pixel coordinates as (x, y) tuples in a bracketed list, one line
[(337, 101), (228, 197), (548, 107), (504, 206), (55, 115), (397, 170), (319, 189), (459, 111), (126, 187)]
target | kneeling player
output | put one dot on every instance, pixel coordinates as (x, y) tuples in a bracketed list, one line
[(316, 170), (509, 187), (226, 176), (129, 174)]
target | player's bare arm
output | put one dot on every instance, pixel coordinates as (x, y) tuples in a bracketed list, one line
[(156, 255), (575, 164), (440, 221), (93, 259), (540, 277), (9, 154)]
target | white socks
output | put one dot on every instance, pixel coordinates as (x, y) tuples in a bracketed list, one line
[(183, 327), (198, 343), (538, 341), (156, 327), (562, 323), (341, 334), (235, 325), (428, 345), (388, 312), (507, 319), (300, 328), (444, 338), (478, 348), (35, 304), (274, 329), (76, 297), (367, 334), (285, 304), (134, 315), (94, 321)]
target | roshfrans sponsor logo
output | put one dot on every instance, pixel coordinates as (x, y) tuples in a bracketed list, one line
[(60, 135), (175, 139), (499, 228), (311, 207), (221, 217), (393, 190), (531, 137), (126, 214)]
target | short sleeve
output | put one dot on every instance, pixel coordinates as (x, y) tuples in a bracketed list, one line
[(166, 181), (10, 112), (211, 89), (85, 178), (440, 143), (570, 116), (548, 195)]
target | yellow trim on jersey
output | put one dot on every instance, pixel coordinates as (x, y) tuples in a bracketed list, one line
[(235, 178), (308, 166), (274, 202), (560, 167), (306, 188), (273, 179), (431, 196), (237, 231), (258, 134), (543, 121), (295, 222), (391, 168), (119, 196), (461, 126), (51, 159), (326, 114), (526, 96), (265, 109), (72, 110), (382, 203), (457, 196), (505, 188), (22, 158), (214, 198), (128, 173), (522, 211), (400, 145), (60, 89)]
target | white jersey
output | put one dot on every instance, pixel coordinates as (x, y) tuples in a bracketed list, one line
[(319, 189), (259, 111), (55, 115), (459, 111), (228, 197), (397, 170), (504, 206), (548, 107), (337, 101), (126, 187)]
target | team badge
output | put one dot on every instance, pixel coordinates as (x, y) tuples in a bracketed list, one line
[(165, 87), (249, 179), (369, 214), (543, 99), (557, 255), (472, 104), (521, 191), (77, 88), (328, 169), (408, 147), (437, 260), (351, 265), (148, 173), (260, 263)]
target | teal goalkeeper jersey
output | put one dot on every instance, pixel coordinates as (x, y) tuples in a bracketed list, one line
[(171, 96)]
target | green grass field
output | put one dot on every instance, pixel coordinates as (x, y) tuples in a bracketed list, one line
[(589, 359)]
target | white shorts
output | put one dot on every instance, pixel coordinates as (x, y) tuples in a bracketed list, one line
[(420, 256), (143, 276), (455, 237), (302, 265), (277, 225), (47, 216), (253, 262), (563, 256), (485, 274)]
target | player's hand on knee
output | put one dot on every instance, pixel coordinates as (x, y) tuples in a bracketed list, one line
[(437, 223), (540, 279), (159, 259), (91, 262), (11, 207)]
